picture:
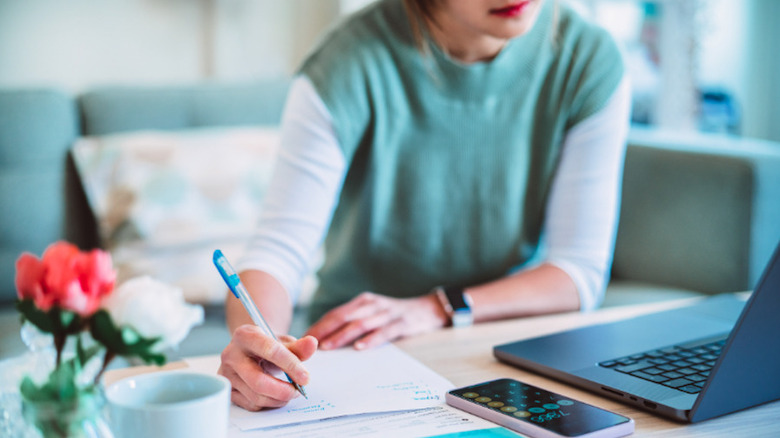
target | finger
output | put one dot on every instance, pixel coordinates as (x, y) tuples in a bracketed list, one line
[(304, 348), (254, 403), (287, 339), (255, 343), (381, 336), (240, 400), (249, 377), (242, 395), (357, 329), (361, 306)]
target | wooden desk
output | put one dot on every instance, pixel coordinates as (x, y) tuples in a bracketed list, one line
[(465, 356)]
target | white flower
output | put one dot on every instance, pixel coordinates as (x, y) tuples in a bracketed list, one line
[(153, 309)]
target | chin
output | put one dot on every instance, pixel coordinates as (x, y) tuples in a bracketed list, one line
[(511, 31)]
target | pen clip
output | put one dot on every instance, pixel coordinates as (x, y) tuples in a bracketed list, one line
[(226, 271)]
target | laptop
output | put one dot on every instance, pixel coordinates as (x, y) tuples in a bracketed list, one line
[(714, 357)]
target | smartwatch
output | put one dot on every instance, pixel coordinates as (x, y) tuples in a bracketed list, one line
[(457, 305)]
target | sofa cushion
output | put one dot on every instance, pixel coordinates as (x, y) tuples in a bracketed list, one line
[(699, 212), (118, 109), (165, 200), (671, 229), (626, 293), (36, 129)]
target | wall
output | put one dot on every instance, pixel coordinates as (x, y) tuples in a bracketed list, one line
[(724, 32), (256, 38), (762, 106), (739, 52), (77, 44), (714, 44)]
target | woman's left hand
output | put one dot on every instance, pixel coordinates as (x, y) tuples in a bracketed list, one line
[(370, 320)]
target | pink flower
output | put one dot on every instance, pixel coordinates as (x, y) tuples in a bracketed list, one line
[(66, 278), (29, 272)]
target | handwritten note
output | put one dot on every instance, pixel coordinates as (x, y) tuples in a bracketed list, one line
[(348, 382), (440, 421)]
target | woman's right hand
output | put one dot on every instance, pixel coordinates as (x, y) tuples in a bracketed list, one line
[(252, 356)]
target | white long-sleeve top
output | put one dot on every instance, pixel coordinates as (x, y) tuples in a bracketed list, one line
[(582, 209)]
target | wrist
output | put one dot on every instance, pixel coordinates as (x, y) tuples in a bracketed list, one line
[(437, 309), (457, 305)]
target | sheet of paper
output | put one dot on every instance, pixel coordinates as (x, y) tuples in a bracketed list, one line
[(439, 421), (203, 364), (349, 382)]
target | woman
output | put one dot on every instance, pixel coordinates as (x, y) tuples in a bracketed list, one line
[(474, 144)]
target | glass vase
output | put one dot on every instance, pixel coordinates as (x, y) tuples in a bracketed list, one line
[(80, 418), (69, 406)]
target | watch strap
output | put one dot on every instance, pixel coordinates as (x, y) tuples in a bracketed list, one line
[(457, 305)]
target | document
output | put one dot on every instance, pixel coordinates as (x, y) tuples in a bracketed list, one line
[(441, 422), (348, 382)]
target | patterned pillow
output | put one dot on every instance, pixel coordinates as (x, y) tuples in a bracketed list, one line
[(165, 200)]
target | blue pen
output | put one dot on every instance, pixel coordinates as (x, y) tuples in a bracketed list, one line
[(234, 283)]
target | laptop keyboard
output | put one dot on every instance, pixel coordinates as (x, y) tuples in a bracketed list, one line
[(682, 367)]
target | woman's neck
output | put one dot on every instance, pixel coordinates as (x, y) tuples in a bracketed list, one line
[(463, 44)]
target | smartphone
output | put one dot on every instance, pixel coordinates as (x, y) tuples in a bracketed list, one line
[(537, 412)]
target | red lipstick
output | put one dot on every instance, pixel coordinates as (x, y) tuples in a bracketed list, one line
[(512, 10)]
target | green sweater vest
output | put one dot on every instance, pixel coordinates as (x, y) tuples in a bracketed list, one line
[(449, 165)]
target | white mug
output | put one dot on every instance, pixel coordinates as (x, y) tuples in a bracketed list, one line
[(170, 404)]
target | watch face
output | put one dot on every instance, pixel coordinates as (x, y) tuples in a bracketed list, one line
[(462, 318)]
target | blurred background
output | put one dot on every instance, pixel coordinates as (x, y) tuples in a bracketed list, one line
[(708, 65), (699, 212)]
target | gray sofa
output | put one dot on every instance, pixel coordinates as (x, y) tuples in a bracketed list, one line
[(41, 195), (700, 214)]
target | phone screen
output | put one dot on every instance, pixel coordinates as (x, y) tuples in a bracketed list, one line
[(543, 408)]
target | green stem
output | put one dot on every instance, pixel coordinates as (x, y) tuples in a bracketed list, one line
[(109, 356), (59, 344)]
